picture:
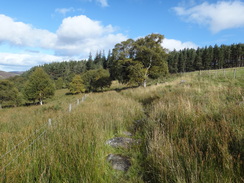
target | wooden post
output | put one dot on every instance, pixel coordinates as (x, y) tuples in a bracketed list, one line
[(78, 101), (234, 73), (49, 122), (70, 107)]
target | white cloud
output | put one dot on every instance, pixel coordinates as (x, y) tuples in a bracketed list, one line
[(24, 61), (172, 44), (219, 16), (21, 34), (104, 3), (81, 34), (63, 11), (76, 37)]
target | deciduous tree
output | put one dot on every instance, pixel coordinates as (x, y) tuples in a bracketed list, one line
[(39, 86)]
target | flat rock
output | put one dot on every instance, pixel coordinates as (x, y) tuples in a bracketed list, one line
[(119, 162), (123, 142)]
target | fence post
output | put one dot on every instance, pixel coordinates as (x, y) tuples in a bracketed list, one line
[(70, 107), (78, 101), (49, 122), (234, 73)]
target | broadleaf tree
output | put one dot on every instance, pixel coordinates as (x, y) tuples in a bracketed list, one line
[(145, 56), (39, 86), (9, 94), (77, 86)]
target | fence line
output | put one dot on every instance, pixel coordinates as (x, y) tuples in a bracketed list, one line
[(37, 138), (49, 123), (227, 73), (15, 147)]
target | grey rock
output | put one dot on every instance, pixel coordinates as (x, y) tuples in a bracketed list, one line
[(123, 142), (119, 162), (182, 81)]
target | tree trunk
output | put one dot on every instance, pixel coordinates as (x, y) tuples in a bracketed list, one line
[(40, 102), (145, 83)]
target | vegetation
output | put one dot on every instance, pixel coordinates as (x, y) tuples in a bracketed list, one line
[(76, 86), (9, 94), (39, 86), (135, 61), (217, 57), (190, 126)]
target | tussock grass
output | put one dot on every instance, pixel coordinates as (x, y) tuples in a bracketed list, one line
[(73, 149), (191, 130), (194, 130)]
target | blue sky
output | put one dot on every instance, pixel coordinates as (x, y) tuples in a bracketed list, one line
[(37, 32)]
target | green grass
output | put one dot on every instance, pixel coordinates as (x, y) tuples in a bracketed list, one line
[(191, 131), (194, 129)]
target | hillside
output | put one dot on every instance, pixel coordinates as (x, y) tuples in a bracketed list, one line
[(189, 128), (5, 75)]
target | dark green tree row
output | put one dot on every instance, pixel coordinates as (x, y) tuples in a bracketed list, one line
[(216, 57)]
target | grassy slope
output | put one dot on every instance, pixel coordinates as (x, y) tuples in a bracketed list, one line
[(192, 132)]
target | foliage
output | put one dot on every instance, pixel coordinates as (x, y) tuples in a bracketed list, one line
[(39, 86), (9, 94), (145, 57), (96, 79), (77, 86), (216, 57)]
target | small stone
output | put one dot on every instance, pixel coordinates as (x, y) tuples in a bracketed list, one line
[(182, 81), (119, 162)]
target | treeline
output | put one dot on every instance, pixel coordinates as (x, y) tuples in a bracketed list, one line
[(130, 62), (216, 57)]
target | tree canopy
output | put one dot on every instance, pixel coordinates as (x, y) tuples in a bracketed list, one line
[(9, 94), (96, 79), (77, 86), (135, 61), (39, 86)]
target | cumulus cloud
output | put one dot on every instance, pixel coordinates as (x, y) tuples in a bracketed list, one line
[(19, 33), (23, 61), (76, 37), (172, 44), (80, 33), (219, 16)]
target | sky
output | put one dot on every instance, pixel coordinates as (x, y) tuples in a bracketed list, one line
[(37, 32)]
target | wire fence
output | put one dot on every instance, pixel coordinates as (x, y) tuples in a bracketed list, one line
[(15, 152), (234, 73)]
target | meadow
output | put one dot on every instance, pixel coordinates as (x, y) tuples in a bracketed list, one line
[(190, 126)]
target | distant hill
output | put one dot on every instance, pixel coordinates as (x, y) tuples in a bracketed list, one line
[(5, 75)]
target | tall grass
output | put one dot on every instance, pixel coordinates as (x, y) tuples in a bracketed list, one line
[(73, 149), (194, 130), (191, 130)]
